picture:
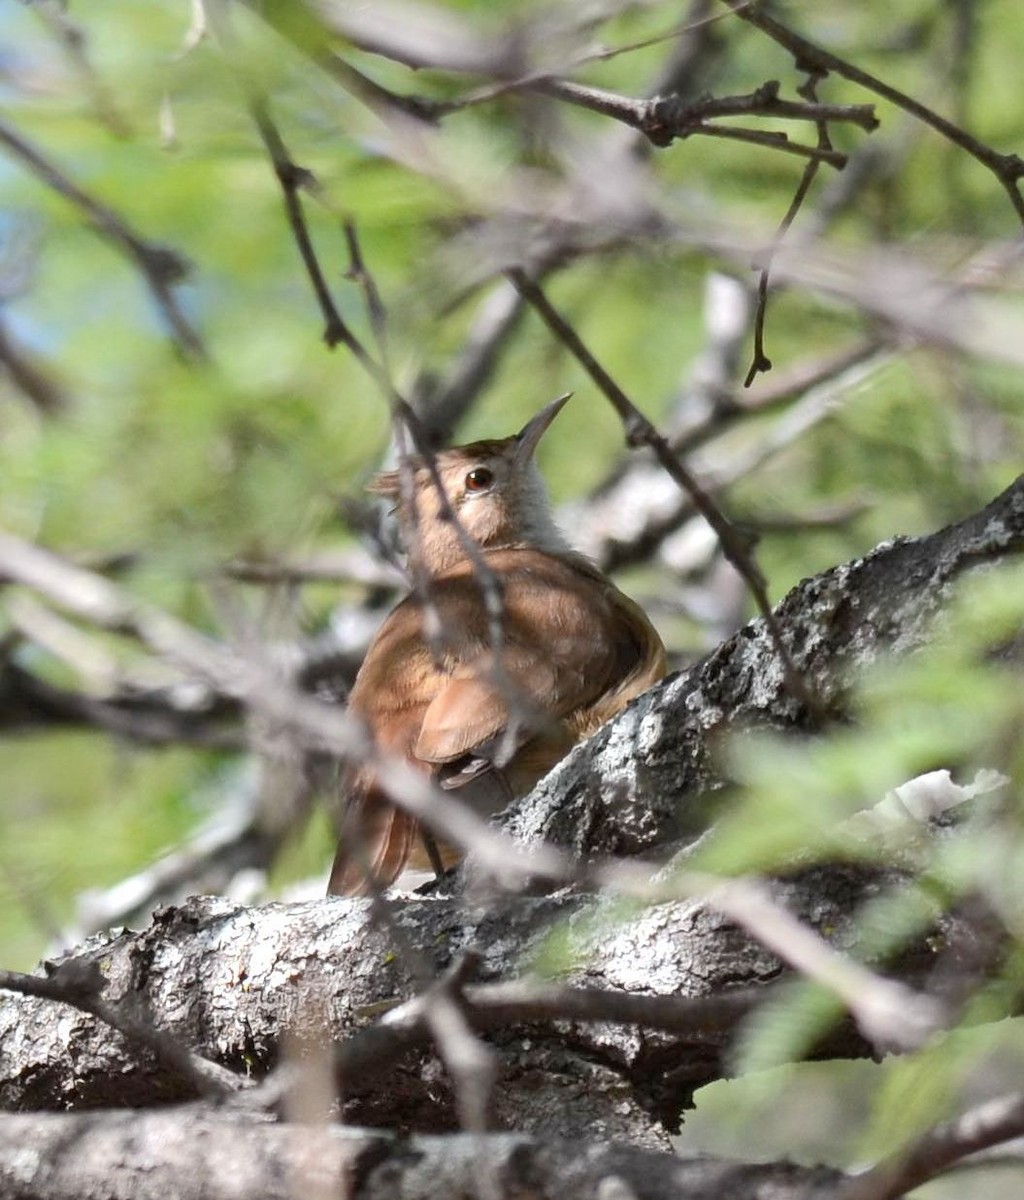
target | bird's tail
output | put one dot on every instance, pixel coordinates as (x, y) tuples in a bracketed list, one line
[(374, 847)]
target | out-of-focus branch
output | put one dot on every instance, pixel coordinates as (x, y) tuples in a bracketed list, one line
[(989, 1124), (161, 268), (31, 704), (199, 1154), (29, 377), (81, 985), (71, 38)]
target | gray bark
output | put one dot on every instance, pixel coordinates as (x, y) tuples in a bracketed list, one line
[(644, 780), (233, 983), (212, 1156)]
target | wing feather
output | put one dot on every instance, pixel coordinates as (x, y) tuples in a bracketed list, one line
[(575, 651)]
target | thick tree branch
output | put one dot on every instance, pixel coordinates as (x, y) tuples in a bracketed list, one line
[(639, 781), (202, 1155)]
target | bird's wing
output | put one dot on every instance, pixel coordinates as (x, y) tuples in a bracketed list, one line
[(477, 706), (641, 663), (574, 651), (570, 638)]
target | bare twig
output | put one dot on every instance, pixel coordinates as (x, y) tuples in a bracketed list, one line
[(81, 986), (761, 362), (161, 268), (293, 179), (358, 273), (95, 599), (355, 566), (663, 119), (539, 80), (71, 38), (775, 140), (1007, 168), (931, 1155), (28, 377), (783, 389), (640, 432)]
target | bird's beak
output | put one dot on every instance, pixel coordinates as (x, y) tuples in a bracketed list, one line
[(534, 429)]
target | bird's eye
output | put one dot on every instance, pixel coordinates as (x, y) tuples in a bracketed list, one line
[(479, 479)]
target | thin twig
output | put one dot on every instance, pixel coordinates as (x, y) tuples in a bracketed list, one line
[(783, 388), (538, 80), (641, 432), (81, 986), (987, 1124), (161, 267), (1007, 168), (775, 140), (358, 273), (28, 377), (71, 38), (292, 179), (355, 566), (761, 362)]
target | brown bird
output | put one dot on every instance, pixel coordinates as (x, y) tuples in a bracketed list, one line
[(573, 652)]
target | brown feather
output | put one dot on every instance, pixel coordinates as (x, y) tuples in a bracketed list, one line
[(574, 652), (375, 844)]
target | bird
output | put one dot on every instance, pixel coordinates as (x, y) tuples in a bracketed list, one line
[(572, 651)]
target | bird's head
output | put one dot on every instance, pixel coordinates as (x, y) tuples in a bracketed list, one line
[(493, 488)]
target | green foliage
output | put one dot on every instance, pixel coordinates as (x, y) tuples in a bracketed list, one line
[(183, 468), (957, 703), (82, 816)]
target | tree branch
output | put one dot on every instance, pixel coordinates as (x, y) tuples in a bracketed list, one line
[(161, 267), (203, 1155), (1007, 168)]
